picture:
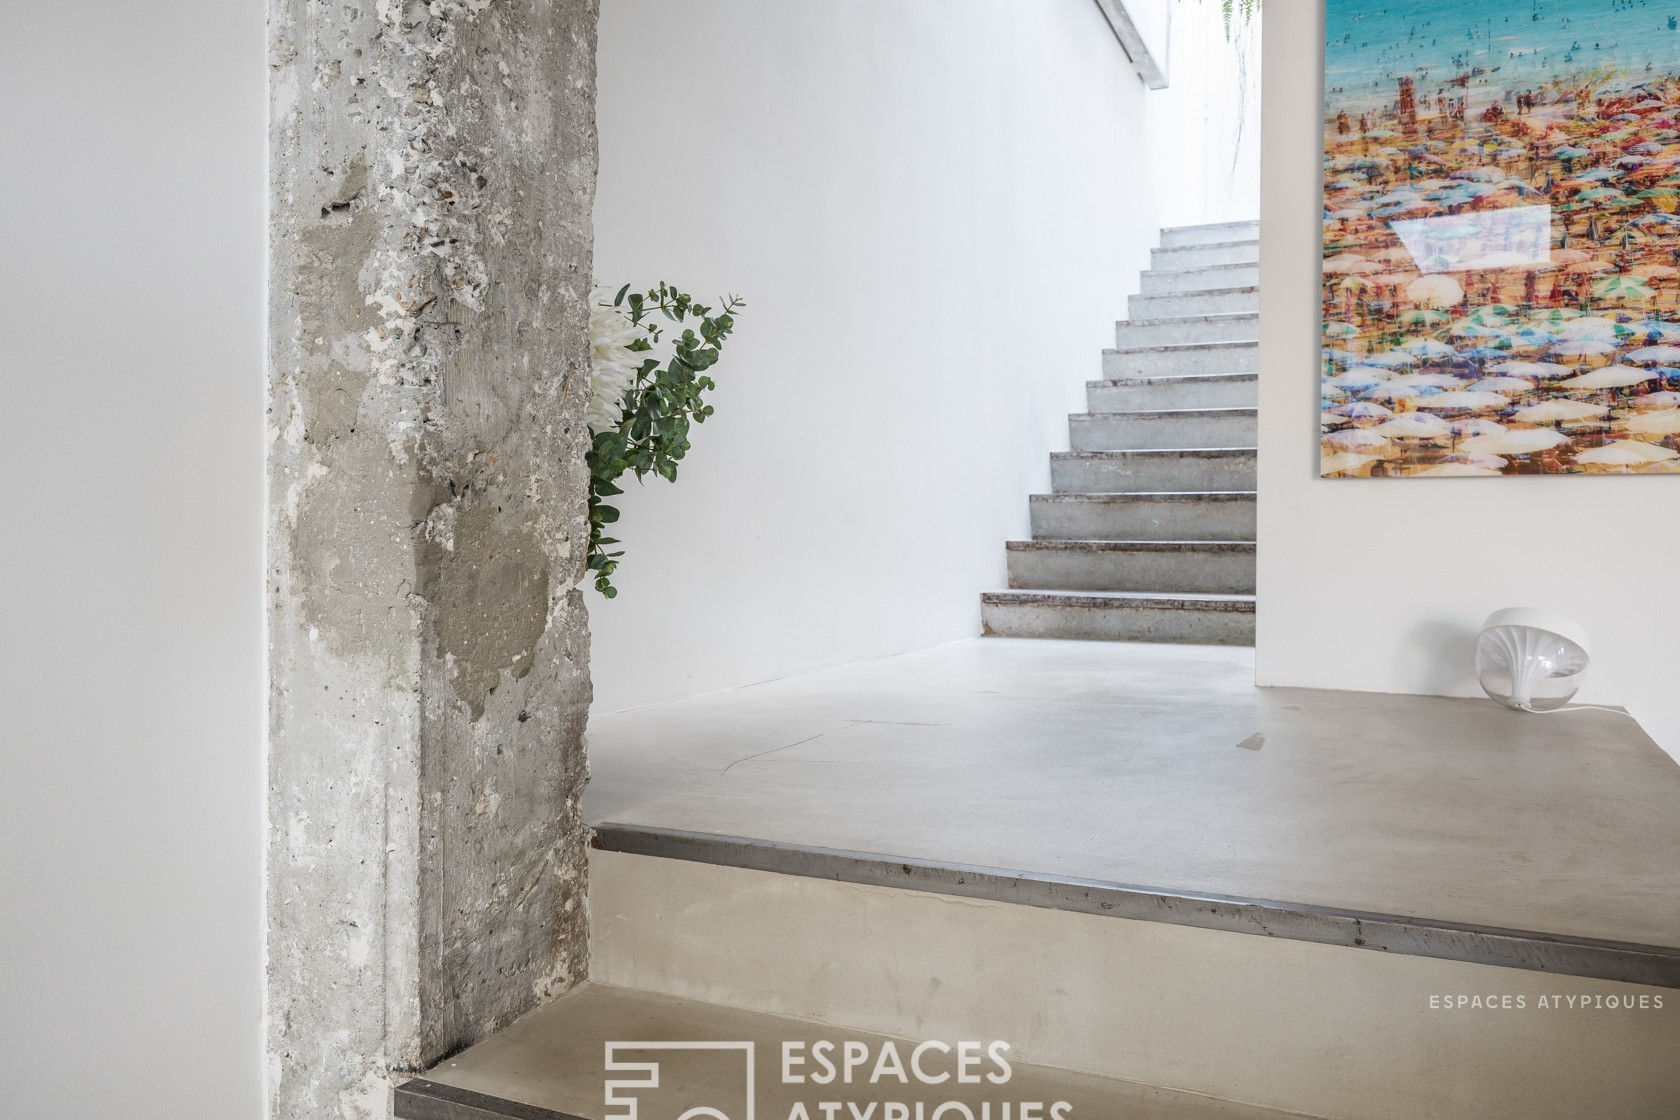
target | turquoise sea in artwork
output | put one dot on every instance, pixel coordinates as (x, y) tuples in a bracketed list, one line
[(1507, 45)]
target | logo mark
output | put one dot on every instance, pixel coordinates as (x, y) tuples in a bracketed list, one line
[(626, 1106)]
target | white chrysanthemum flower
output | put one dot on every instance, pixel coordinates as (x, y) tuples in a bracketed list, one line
[(612, 364)]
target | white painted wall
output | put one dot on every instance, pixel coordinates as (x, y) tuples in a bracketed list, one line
[(935, 210), (131, 313), (1204, 128), (1381, 585)]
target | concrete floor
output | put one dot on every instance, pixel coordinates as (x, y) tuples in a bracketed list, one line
[(1163, 766), (553, 1059)]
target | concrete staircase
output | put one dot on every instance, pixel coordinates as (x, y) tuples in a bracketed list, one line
[(1148, 532)]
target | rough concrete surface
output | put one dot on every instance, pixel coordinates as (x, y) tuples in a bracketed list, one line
[(432, 178)]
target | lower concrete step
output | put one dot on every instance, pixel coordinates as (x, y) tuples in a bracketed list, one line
[(675, 1057), (1205, 254), (1119, 616), (1327, 1011), (1217, 301), (1162, 428), (1242, 326), (1247, 230), (1182, 358), (1188, 516), (1159, 567), (1110, 472), (1159, 281), (1195, 390)]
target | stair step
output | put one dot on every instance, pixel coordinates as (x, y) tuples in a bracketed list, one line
[(1246, 230), (1214, 301), (1242, 326), (1160, 281), (1197, 390), (1190, 515), (1266, 1001), (1164, 428), (1119, 616), (1112, 472), (1179, 358), (1207, 253), (551, 1064), (1154, 567)]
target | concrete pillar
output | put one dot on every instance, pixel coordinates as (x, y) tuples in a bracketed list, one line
[(432, 176)]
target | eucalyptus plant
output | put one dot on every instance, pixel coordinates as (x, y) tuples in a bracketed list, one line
[(643, 426)]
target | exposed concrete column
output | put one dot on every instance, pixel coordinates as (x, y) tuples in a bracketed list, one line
[(432, 177)]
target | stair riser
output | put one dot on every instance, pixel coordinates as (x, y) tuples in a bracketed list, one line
[(1160, 282), (1326, 1030), (1242, 301), (1171, 333), (1200, 256), (1153, 472), (1143, 519), (1205, 235), (1173, 394), (1234, 357), (1118, 624), (1214, 573), (1172, 430)]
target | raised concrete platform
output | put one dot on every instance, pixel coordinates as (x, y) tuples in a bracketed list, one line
[(1159, 772), (550, 1066)]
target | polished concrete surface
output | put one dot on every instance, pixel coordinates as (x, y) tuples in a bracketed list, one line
[(553, 1059), (1163, 766)]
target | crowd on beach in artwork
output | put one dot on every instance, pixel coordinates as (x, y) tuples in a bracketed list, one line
[(1453, 348)]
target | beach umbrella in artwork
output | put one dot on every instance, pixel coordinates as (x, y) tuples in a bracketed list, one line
[(1357, 439), (1350, 287), (1625, 454), (1662, 422), (1622, 286), (1428, 348), (1653, 355), (1464, 400), (1344, 462), (1424, 319), (1414, 425), (1362, 410), (1502, 385), (1610, 377), (1584, 348), (1531, 369), (1349, 263), (1435, 291), (1518, 442), (1391, 392), (1472, 328), (1592, 326), (1559, 411), (1476, 426), (1428, 381), (1391, 359), (1334, 329), (1663, 399)]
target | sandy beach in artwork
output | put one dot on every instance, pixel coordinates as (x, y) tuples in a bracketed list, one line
[(1501, 287)]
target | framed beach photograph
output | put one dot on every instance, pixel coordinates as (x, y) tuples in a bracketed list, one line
[(1501, 277)]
